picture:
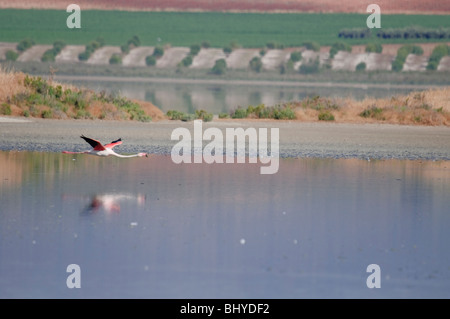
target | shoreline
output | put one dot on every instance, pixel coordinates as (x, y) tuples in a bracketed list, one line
[(297, 139), (274, 83)]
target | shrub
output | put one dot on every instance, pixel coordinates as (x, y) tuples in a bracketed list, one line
[(115, 59), (374, 47), (326, 116), (438, 53), (194, 49), (256, 64), (25, 44), (50, 55), (84, 56), (187, 61), (402, 54), (47, 114), (295, 56), (125, 48), (361, 66), (5, 109), (174, 115), (314, 46), (158, 52), (372, 112), (11, 55), (134, 41), (239, 113), (339, 46), (310, 67), (90, 48), (150, 60), (219, 67), (227, 49), (203, 115), (223, 116)]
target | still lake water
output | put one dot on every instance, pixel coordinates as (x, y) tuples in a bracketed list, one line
[(148, 228), (221, 98)]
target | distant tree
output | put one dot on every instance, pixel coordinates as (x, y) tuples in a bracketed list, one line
[(115, 59), (296, 56), (361, 66), (314, 46), (150, 60), (219, 67), (194, 49), (187, 61), (11, 55), (158, 52), (25, 44), (256, 64), (374, 47)]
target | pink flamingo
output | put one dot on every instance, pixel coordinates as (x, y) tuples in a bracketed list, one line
[(104, 150)]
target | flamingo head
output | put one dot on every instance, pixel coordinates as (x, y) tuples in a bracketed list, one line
[(143, 154)]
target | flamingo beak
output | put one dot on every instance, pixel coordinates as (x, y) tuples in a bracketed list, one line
[(146, 155)]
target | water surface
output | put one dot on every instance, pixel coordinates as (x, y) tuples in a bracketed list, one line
[(148, 228)]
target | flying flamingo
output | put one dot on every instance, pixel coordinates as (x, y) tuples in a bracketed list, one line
[(104, 150)]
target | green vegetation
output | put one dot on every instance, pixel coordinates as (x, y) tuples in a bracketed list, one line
[(187, 61), (295, 56), (277, 112), (222, 28), (403, 33), (314, 46), (374, 47), (194, 49), (339, 46), (219, 68), (310, 66), (67, 103), (115, 59), (50, 55), (326, 116), (361, 66), (5, 109), (255, 64), (402, 54), (150, 60), (25, 44), (11, 55), (438, 53), (199, 114), (90, 48), (373, 112), (158, 52)]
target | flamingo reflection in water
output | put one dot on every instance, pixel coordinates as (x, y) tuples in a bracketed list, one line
[(109, 202)]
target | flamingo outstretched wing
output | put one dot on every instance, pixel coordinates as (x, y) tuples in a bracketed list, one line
[(114, 143), (94, 143)]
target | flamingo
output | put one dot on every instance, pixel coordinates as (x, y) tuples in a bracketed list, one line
[(104, 150)]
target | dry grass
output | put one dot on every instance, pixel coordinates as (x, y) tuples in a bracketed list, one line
[(431, 107), (17, 98)]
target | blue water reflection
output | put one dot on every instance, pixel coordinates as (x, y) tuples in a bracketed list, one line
[(148, 228)]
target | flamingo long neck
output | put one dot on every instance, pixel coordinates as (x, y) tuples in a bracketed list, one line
[(125, 156)]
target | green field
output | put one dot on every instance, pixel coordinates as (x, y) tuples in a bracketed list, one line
[(185, 29)]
